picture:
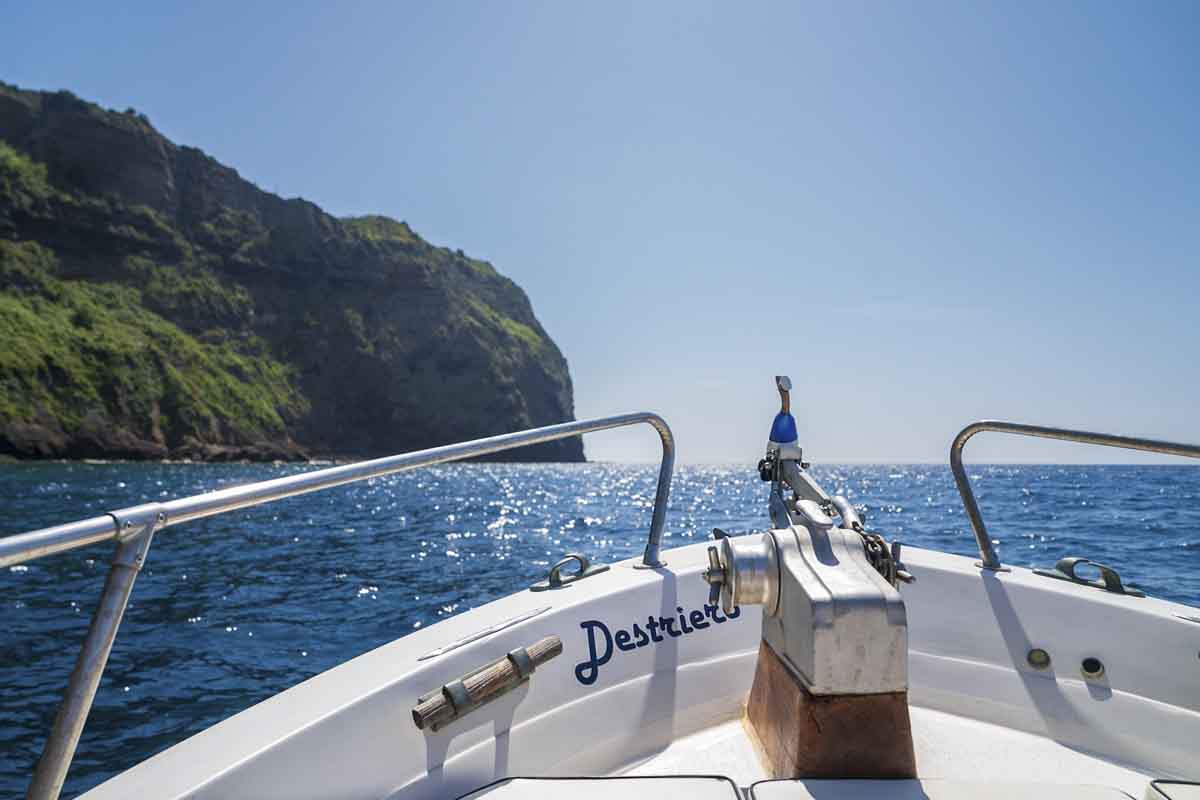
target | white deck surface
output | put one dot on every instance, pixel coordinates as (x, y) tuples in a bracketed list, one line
[(608, 788), (947, 747), (931, 790)]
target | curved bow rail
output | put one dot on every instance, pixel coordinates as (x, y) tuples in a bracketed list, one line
[(987, 553), (133, 528)]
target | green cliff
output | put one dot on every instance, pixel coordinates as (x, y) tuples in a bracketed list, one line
[(155, 304)]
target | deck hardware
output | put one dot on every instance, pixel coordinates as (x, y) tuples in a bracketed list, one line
[(135, 530), (488, 631), (902, 574), (884, 558), (714, 575), (1038, 658), (483, 685), (60, 746), (555, 579), (830, 691), (1109, 580), (987, 553), (743, 570), (1092, 668), (766, 468)]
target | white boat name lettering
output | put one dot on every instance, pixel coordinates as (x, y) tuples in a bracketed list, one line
[(601, 640)]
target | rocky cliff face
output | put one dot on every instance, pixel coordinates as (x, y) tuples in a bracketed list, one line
[(156, 304)]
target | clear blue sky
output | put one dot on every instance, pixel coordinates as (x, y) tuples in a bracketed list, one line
[(925, 213)]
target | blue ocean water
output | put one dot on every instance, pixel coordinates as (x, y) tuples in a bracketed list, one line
[(233, 609)]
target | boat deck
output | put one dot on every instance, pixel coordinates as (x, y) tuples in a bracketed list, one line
[(948, 748), (981, 717)]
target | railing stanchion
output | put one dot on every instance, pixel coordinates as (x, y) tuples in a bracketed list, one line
[(134, 527), (662, 497), (987, 553), (59, 750)]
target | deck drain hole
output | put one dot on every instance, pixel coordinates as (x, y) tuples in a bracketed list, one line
[(1092, 667), (1038, 658)]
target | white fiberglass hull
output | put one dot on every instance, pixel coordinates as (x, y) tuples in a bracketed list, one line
[(607, 706)]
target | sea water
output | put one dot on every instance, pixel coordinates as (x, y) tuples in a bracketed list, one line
[(231, 610)]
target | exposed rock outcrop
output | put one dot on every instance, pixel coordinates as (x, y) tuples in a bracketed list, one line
[(155, 304)]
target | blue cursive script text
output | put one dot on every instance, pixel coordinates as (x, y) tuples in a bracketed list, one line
[(601, 640)]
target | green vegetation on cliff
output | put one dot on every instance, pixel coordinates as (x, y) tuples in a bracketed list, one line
[(155, 304), (22, 181), (80, 354)]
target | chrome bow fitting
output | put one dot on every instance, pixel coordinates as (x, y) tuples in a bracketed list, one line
[(827, 585)]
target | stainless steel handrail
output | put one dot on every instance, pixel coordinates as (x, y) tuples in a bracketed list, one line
[(987, 553), (134, 527)]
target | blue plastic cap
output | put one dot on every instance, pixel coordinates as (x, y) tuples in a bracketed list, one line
[(783, 429)]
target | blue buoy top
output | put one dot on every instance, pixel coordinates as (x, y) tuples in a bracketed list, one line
[(783, 429)]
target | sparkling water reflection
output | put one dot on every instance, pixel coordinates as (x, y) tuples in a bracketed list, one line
[(233, 609)]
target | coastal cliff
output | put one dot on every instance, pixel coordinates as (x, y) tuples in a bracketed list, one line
[(156, 305)]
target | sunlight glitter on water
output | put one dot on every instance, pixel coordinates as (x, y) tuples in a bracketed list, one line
[(320, 578)]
